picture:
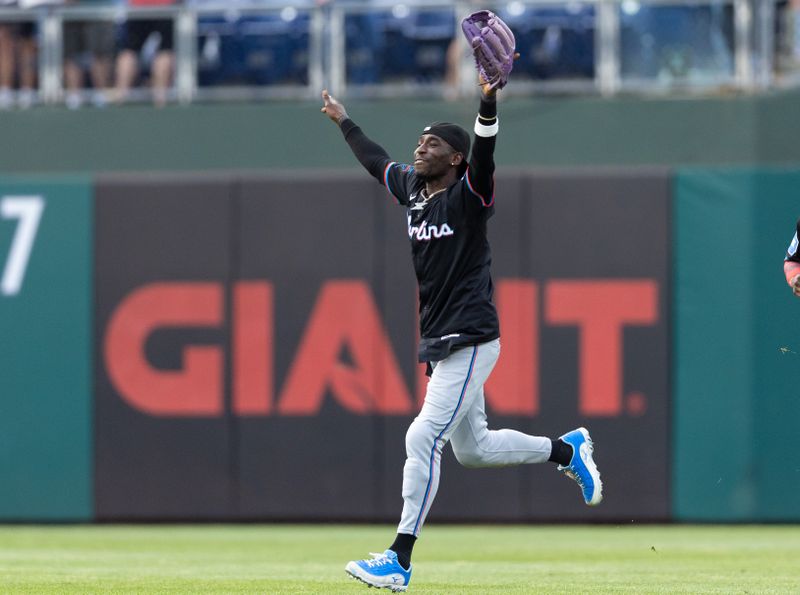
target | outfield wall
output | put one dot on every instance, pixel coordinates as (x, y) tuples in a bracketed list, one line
[(293, 135), (735, 346), (46, 311), (235, 346)]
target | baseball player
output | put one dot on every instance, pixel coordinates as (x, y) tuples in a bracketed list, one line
[(448, 202), (791, 264)]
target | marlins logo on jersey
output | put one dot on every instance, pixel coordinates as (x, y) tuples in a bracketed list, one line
[(425, 231)]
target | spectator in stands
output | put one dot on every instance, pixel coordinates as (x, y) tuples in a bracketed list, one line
[(147, 41), (7, 62), (457, 53), (88, 44), (17, 60), (792, 18)]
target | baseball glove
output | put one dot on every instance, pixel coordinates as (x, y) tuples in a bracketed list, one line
[(492, 44)]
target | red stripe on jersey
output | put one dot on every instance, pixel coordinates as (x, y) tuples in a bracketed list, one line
[(386, 180), (471, 189)]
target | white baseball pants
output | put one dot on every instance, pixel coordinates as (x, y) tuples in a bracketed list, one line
[(454, 410)]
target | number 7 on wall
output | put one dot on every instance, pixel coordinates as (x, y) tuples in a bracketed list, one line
[(28, 210)]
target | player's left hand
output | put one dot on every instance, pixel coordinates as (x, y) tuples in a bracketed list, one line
[(796, 285), (332, 108), (486, 87)]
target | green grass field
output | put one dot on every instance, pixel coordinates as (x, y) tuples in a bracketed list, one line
[(448, 559)]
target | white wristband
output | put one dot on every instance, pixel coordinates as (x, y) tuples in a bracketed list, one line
[(484, 130)]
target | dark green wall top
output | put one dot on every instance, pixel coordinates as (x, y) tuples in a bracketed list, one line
[(550, 131)]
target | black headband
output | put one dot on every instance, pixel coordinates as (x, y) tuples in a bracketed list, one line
[(452, 134)]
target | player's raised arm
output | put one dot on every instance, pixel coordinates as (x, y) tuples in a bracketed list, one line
[(333, 109), (369, 153), (480, 173), (493, 46)]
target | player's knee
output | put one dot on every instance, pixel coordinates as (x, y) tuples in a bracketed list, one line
[(419, 439), (415, 474), (468, 457)]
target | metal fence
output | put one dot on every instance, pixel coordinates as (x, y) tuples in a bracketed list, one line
[(261, 50)]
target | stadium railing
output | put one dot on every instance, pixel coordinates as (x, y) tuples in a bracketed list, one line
[(234, 51)]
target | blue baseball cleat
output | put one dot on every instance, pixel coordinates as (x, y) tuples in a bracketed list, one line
[(383, 571), (582, 468)]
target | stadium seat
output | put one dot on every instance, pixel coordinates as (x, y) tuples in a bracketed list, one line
[(365, 45), (677, 41), (553, 42), (385, 47), (253, 50)]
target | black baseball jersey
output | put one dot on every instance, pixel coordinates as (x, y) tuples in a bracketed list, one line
[(792, 253), (449, 245)]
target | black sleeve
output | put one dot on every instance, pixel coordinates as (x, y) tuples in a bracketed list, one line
[(480, 173), (395, 176), (369, 153)]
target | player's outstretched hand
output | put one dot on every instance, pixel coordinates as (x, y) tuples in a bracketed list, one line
[(486, 87), (796, 285), (332, 108)]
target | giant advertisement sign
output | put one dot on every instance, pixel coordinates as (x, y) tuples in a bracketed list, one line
[(163, 440), (256, 347)]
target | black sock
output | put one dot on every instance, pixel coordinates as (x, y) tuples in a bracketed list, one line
[(561, 452), (402, 546)]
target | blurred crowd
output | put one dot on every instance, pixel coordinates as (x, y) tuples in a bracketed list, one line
[(102, 54), (112, 49)]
